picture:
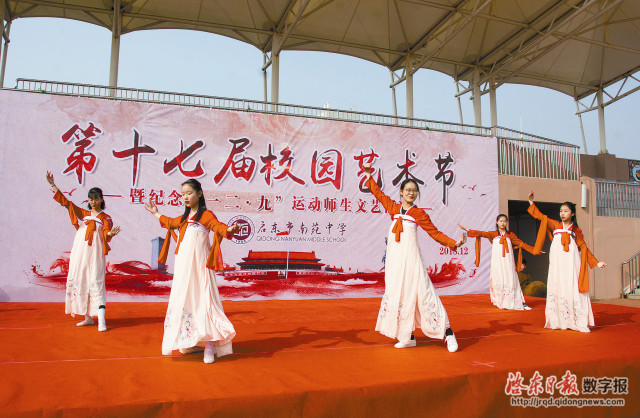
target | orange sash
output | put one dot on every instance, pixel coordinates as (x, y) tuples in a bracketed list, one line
[(397, 228)]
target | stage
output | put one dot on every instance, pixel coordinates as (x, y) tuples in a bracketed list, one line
[(317, 357)]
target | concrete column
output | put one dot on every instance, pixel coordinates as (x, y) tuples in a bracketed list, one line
[(4, 53), (603, 136), (409, 88), (115, 46), (275, 68), (584, 141), (3, 5), (264, 75), (477, 106), (459, 101), (493, 102)]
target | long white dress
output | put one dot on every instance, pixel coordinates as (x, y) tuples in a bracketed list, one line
[(568, 302), (85, 290), (87, 267), (505, 288), (567, 307), (195, 314), (409, 300)]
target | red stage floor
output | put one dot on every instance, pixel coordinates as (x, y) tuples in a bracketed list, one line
[(308, 358)]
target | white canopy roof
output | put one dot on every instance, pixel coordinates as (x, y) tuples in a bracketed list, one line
[(572, 46)]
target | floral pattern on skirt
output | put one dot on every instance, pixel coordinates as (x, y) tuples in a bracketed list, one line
[(195, 314), (410, 299)]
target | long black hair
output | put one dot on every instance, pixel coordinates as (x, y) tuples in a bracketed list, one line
[(572, 208), (202, 205), (95, 192), (498, 218)]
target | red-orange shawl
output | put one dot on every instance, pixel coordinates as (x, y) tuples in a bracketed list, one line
[(490, 235), (420, 216), (209, 220), (586, 257), (76, 214)]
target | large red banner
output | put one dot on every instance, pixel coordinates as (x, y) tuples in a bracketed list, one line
[(310, 228)]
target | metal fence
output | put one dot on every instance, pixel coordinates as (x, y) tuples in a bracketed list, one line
[(527, 158), (632, 269), (619, 199), (519, 153)]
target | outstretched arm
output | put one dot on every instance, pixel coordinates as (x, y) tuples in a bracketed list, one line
[(75, 213), (425, 223), (533, 209), (517, 242), (472, 233), (165, 221), (390, 206), (210, 220), (591, 259)]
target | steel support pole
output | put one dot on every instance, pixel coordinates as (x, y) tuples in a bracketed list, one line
[(584, 141), (393, 97), (477, 104), (603, 136), (409, 89), (4, 54), (493, 103), (275, 69), (459, 101), (3, 5), (264, 75), (115, 46)]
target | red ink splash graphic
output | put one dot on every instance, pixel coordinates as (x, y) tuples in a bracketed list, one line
[(129, 277), (451, 273), (138, 278)]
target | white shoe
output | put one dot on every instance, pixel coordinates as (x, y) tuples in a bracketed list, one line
[(452, 344), (191, 350), (102, 322), (525, 307), (411, 343), (208, 353), (87, 321)]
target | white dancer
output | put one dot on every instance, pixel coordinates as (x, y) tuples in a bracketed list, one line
[(86, 293), (195, 313), (505, 291), (410, 300), (568, 302)]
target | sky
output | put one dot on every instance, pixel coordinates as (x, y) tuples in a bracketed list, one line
[(207, 64)]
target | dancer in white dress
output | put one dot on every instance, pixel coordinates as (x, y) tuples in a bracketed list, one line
[(86, 293), (505, 291), (195, 314), (568, 302), (410, 300)]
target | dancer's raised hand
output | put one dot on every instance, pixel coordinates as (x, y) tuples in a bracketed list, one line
[(151, 207), (531, 197), (49, 177), (234, 229), (367, 169), (114, 231), (462, 239)]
